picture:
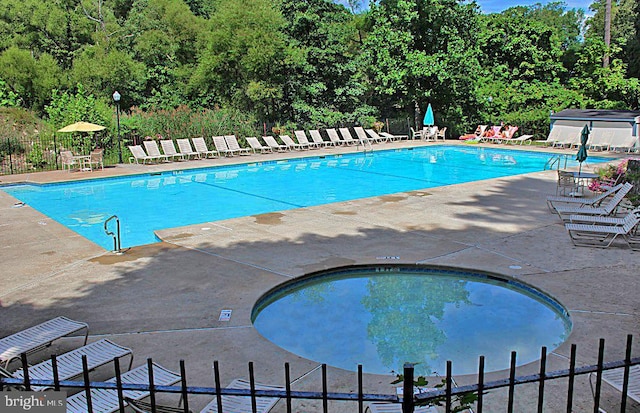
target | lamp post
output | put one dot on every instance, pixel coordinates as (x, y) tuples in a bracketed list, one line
[(116, 98)]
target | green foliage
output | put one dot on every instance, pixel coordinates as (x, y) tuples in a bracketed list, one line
[(183, 122), (8, 98), (36, 156), (460, 403)]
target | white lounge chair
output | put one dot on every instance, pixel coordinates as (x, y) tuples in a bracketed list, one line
[(170, 150), (346, 136), (138, 154), (221, 146), (392, 137), (520, 139), (381, 407), (234, 146), (184, 146), (602, 235), (316, 137), (153, 150), (38, 337), (255, 145), (271, 142), (377, 138), (600, 220), (581, 201), (286, 139), (333, 137), (200, 146), (106, 401), (615, 378), (362, 136), (301, 136), (603, 210), (242, 404), (416, 134), (70, 363), (441, 134)]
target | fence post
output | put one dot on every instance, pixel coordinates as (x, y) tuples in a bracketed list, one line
[(625, 378), (10, 158), (407, 388), (55, 151)]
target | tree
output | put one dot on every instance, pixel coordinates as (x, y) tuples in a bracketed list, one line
[(30, 78), (322, 88), (244, 59), (423, 51)]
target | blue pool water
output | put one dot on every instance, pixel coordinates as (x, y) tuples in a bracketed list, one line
[(146, 203), (382, 317)]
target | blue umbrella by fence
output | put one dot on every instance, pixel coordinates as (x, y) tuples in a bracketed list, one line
[(428, 117), (582, 152)]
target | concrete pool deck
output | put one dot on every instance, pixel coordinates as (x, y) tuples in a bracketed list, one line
[(163, 300)]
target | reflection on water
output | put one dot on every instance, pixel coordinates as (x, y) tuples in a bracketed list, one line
[(382, 320)]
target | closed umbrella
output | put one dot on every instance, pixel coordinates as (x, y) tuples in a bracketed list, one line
[(582, 152), (428, 117)]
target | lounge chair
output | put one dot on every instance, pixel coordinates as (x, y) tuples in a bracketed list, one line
[(392, 137), (316, 137), (200, 146), (242, 404), (603, 235), (442, 134), (38, 337), (301, 136), (521, 139), (375, 137), (600, 220), (615, 378), (286, 139), (70, 363), (255, 145), (221, 146), (346, 136), (138, 154), (153, 150), (234, 146), (106, 401), (381, 407), (186, 150), (140, 406), (334, 137), (362, 136), (169, 149), (581, 201), (271, 142), (603, 210)]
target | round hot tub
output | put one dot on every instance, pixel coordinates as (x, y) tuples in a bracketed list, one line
[(384, 316)]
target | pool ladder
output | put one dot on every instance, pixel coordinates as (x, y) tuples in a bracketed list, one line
[(366, 145), (556, 160), (116, 236)]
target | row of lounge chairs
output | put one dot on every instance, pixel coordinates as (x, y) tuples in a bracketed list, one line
[(229, 146), (595, 221), (70, 365)]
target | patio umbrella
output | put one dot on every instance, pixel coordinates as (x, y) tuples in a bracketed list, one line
[(82, 127), (582, 152), (428, 117)]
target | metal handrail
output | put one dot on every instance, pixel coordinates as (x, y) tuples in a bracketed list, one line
[(116, 237), (555, 160)]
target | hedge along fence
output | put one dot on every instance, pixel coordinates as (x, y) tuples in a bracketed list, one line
[(184, 122)]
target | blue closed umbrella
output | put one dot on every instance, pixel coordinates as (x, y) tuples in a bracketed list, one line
[(582, 152), (428, 117)]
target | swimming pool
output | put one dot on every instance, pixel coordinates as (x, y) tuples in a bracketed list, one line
[(383, 317), (150, 202)]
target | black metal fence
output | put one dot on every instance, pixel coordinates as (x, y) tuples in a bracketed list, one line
[(448, 395), (26, 154)]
